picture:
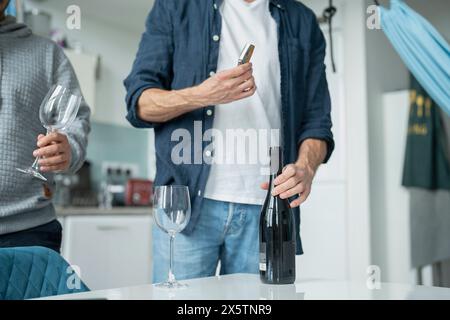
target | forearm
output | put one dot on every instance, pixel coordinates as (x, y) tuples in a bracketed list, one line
[(312, 153), (77, 135), (159, 106)]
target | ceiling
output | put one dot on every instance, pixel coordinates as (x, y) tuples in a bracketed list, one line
[(130, 14)]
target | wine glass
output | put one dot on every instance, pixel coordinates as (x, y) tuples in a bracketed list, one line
[(57, 112), (172, 212)]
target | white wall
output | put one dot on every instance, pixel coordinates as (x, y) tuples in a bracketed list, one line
[(396, 215)]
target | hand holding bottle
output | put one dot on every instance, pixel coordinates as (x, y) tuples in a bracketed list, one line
[(297, 178)]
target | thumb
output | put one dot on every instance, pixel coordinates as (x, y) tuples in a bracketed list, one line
[(40, 136)]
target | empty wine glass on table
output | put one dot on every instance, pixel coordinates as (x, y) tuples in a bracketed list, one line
[(172, 212), (57, 112)]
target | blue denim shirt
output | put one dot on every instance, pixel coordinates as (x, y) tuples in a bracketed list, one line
[(180, 48)]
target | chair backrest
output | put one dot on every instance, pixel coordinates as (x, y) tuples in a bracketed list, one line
[(35, 272)]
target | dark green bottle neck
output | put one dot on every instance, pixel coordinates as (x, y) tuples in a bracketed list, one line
[(272, 180), (276, 166)]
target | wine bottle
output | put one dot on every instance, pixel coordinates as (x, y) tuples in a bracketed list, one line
[(276, 232)]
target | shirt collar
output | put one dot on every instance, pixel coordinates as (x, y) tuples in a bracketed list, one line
[(277, 3)]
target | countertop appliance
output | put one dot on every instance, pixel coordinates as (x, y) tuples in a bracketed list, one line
[(138, 192), (120, 189)]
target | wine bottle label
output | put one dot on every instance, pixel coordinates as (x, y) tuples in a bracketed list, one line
[(262, 259), (262, 267)]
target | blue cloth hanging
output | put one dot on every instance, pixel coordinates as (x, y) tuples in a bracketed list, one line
[(11, 9), (424, 51)]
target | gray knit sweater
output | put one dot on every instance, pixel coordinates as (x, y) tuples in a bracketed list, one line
[(29, 66)]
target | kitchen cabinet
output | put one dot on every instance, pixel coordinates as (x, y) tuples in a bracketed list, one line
[(324, 234), (85, 66), (110, 251)]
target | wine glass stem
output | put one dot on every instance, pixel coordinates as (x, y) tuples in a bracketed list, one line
[(171, 275), (35, 164)]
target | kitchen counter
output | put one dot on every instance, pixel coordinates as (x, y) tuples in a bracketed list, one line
[(249, 287), (96, 211)]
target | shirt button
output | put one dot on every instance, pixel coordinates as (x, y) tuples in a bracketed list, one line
[(209, 112), (199, 193), (216, 38), (212, 73), (208, 153), (215, 6)]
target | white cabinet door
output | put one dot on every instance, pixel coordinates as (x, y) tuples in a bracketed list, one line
[(324, 234), (392, 225), (334, 170), (85, 67), (110, 251)]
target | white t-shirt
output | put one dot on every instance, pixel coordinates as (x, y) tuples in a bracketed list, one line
[(238, 180)]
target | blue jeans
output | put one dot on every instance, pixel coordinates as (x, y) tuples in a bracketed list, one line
[(225, 232)]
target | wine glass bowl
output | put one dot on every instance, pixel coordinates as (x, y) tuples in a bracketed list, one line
[(170, 220), (59, 109), (57, 112), (171, 212)]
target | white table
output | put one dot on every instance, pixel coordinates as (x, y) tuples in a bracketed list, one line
[(249, 287)]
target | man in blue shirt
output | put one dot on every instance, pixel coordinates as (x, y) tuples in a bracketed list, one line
[(186, 86)]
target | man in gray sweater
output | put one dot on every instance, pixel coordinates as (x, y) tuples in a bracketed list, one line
[(29, 66)]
